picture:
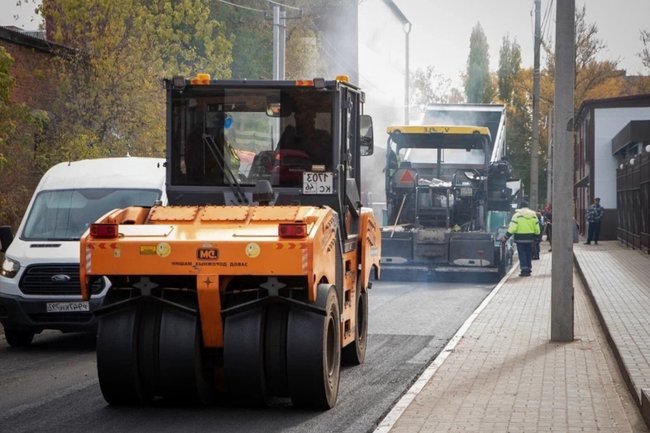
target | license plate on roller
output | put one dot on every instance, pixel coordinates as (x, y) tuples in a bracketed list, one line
[(67, 307)]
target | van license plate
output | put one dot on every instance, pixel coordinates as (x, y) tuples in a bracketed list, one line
[(67, 307)]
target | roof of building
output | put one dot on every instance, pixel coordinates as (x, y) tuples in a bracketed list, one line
[(640, 100), (30, 39), (637, 131)]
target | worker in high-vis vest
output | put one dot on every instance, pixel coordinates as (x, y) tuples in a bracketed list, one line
[(524, 226)]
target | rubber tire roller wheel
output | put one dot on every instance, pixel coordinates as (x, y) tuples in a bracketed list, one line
[(117, 357), (181, 373), (314, 354), (275, 350), (243, 357), (355, 352)]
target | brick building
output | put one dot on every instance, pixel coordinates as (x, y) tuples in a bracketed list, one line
[(32, 68)]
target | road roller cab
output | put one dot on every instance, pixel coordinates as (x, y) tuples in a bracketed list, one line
[(253, 282)]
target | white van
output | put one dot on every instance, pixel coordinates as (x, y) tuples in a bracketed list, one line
[(39, 279)]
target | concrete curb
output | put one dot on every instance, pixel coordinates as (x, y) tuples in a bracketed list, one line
[(645, 405), (642, 396)]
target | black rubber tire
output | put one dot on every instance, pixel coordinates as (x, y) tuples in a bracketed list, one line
[(181, 374), (355, 352), (117, 357), (505, 261), (314, 354), (275, 350), (243, 357), (19, 337), (148, 336)]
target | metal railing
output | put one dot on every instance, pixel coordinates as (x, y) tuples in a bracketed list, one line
[(633, 202)]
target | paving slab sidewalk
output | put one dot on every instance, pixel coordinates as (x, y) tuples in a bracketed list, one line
[(618, 279), (504, 374)]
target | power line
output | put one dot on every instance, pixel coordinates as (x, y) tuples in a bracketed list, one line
[(283, 5), (546, 28), (241, 6)]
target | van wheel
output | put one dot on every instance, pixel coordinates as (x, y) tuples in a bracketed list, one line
[(19, 337)]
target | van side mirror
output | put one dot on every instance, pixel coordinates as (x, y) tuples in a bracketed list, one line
[(366, 135), (6, 238)]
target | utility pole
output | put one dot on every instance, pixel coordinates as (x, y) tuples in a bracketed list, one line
[(534, 153), (407, 78), (279, 42), (562, 313), (549, 159)]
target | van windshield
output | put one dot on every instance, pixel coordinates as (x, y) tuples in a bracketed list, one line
[(64, 215)]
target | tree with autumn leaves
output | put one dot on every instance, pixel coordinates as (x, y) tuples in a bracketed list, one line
[(512, 85), (110, 100), (595, 79)]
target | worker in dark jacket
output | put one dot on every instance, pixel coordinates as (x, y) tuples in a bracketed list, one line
[(524, 226)]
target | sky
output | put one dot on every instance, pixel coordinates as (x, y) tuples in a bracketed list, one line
[(19, 13), (441, 29)]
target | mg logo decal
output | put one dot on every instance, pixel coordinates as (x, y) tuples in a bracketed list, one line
[(60, 278), (207, 254)]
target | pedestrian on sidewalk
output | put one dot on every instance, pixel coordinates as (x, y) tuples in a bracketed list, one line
[(538, 238), (548, 225), (594, 215), (524, 226)]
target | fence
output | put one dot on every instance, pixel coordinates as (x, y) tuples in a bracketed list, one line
[(633, 202)]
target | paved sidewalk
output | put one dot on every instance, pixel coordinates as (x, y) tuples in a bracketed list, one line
[(618, 279), (504, 374)]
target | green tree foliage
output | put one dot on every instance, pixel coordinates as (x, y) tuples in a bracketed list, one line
[(478, 83), (7, 82), (514, 89), (111, 102), (307, 49), (519, 129), (103, 81), (250, 30), (302, 54), (250, 27), (509, 67), (20, 127), (188, 38)]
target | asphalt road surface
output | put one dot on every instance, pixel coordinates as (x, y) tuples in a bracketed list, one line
[(52, 386)]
